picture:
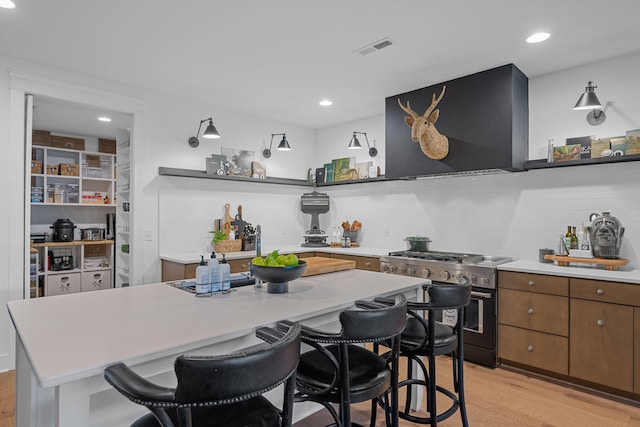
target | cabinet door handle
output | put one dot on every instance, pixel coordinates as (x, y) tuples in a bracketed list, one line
[(530, 348), (531, 283), (600, 323), (600, 291), (530, 311), (368, 264), (244, 265)]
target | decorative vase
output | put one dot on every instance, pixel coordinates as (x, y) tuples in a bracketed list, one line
[(605, 233)]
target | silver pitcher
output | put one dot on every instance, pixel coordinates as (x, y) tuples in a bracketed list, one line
[(605, 233)]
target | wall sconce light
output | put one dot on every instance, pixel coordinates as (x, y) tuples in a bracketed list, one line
[(283, 146), (354, 144), (210, 133), (589, 101)]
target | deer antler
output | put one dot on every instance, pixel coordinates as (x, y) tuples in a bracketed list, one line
[(408, 109), (434, 103)]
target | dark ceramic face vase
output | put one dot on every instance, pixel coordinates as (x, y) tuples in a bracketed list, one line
[(605, 234)]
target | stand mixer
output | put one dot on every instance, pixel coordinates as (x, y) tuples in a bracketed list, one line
[(314, 204)]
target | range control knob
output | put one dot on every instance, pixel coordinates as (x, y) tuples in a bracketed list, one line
[(462, 279), (403, 270), (385, 268), (445, 275), (484, 281), (412, 271), (474, 279), (426, 272), (394, 268)]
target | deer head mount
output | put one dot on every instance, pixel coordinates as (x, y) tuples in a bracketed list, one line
[(432, 143)]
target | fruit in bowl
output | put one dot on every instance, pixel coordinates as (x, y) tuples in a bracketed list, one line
[(277, 270)]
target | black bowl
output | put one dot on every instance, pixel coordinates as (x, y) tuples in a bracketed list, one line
[(278, 278)]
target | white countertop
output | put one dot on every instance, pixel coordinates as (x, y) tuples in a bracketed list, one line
[(194, 257), (76, 336), (584, 272)]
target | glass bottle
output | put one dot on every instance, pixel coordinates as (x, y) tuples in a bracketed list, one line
[(574, 238), (567, 238), (585, 239)]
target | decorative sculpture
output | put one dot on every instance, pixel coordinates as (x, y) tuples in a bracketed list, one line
[(432, 143), (605, 233)]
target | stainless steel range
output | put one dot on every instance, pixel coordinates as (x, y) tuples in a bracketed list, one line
[(480, 320)]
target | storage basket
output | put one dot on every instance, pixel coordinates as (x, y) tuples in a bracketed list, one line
[(36, 166), (69, 169), (52, 169), (67, 142), (107, 146), (41, 137), (225, 246)]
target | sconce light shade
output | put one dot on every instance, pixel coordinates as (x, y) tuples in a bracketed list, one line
[(589, 101), (283, 146), (354, 144), (210, 133)]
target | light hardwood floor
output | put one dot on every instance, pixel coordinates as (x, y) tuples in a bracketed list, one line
[(495, 398)]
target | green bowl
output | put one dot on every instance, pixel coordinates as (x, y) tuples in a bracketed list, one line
[(278, 278)]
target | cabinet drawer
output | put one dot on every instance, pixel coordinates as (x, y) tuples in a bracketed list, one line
[(598, 290), (95, 280), (239, 265), (540, 312), (536, 349), (362, 262), (553, 285), (306, 255), (61, 284)]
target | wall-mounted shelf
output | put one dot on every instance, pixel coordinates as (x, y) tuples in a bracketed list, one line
[(543, 164), (190, 173)]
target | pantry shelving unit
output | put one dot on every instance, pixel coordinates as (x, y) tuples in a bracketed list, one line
[(124, 207), (81, 185)]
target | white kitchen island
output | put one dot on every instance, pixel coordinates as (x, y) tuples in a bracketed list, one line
[(65, 342)]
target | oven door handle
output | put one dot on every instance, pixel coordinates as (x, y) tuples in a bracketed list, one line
[(480, 294)]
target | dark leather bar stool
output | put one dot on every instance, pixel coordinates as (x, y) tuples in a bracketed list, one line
[(426, 337), (219, 390), (340, 370)]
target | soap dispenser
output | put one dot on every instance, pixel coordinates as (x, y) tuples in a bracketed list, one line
[(203, 286), (225, 275), (214, 273)]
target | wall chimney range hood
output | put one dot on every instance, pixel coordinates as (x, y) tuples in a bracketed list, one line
[(484, 116)]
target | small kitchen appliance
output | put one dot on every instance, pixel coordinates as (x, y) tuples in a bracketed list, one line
[(111, 226), (480, 316), (62, 230), (315, 203)]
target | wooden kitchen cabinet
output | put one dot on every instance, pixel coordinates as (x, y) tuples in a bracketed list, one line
[(602, 332), (587, 331), (362, 262), (636, 350), (533, 320)]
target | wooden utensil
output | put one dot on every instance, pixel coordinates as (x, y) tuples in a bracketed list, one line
[(226, 223)]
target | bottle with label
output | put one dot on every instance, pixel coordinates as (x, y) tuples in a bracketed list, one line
[(214, 273), (232, 235), (574, 239), (225, 275), (203, 287), (567, 238), (585, 239)]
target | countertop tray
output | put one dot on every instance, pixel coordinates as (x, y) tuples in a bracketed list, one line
[(610, 264)]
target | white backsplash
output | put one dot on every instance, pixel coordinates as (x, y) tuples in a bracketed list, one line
[(511, 214)]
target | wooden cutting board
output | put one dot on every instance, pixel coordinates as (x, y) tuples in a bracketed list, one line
[(320, 265)]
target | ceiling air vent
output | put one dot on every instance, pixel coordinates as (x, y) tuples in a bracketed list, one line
[(375, 46)]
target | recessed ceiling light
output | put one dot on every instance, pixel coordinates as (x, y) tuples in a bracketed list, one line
[(104, 119), (538, 37), (7, 4), (325, 103)]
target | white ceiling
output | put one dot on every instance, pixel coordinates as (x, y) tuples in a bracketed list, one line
[(278, 58)]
